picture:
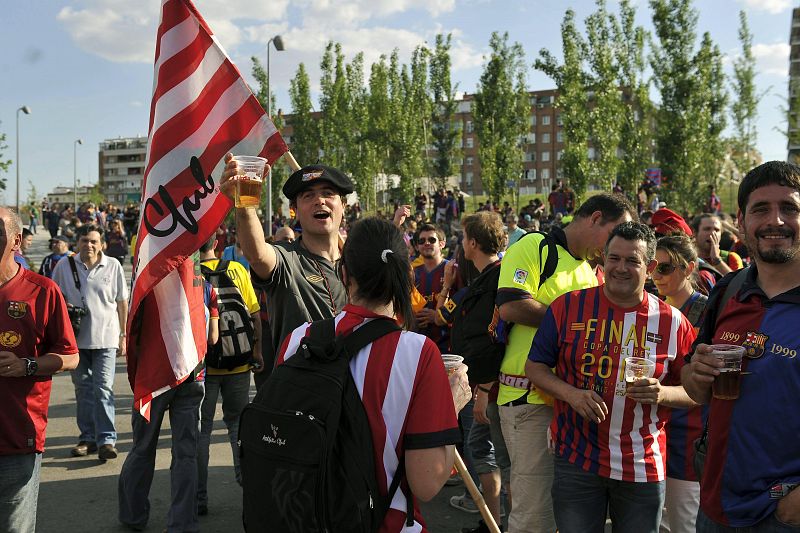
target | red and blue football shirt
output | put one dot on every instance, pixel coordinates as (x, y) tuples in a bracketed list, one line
[(586, 338)]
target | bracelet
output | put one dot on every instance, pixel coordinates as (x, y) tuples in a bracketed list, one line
[(442, 295), (487, 391)]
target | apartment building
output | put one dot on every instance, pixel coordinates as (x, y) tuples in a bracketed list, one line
[(122, 169)]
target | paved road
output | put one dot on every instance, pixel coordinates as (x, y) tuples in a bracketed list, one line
[(80, 494)]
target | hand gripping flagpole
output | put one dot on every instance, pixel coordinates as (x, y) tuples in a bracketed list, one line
[(477, 497)]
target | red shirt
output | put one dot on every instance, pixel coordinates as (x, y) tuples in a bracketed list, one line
[(33, 322), (406, 395)]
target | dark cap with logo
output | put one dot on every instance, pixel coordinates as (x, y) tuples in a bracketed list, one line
[(308, 176), (61, 238)]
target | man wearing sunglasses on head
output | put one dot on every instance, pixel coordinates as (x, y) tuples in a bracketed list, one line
[(752, 465)]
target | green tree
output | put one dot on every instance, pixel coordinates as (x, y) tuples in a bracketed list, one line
[(445, 130), (3, 164), (572, 102), (334, 107), (636, 132), (744, 108), (416, 110), (691, 117), (305, 145), (501, 111), (606, 115), (379, 123), (792, 113)]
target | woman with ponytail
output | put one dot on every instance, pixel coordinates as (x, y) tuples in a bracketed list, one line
[(410, 402)]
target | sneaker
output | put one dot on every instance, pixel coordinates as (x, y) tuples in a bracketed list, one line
[(453, 480), (83, 448), (464, 503), (482, 528), (106, 452)]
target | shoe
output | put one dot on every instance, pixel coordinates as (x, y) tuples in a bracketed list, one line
[(463, 503), (106, 452), (453, 480), (482, 528), (202, 509), (83, 448)]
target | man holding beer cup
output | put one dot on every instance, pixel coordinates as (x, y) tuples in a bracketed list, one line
[(299, 277), (752, 461)]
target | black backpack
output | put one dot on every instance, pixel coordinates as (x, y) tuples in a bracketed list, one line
[(474, 326), (236, 333), (306, 450)]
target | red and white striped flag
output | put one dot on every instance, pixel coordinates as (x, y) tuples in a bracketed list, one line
[(201, 109)]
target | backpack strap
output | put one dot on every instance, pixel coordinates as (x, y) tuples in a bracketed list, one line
[(367, 333), (551, 263)]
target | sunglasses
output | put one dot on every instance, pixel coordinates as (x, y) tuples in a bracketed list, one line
[(430, 240), (665, 269)]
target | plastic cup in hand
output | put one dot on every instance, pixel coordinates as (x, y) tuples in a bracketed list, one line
[(637, 368), (451, 362), (248, 180), (726, 384)]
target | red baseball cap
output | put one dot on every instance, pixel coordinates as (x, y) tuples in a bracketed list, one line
[(666, 221)]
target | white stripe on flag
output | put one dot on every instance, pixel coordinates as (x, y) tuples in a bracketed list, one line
[(173, 41)]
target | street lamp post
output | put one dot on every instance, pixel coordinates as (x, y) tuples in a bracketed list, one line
[(27, 110), (278, 42), (75, 172)]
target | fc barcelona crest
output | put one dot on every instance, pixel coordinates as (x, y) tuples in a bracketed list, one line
[(17, 309), (754, 344)]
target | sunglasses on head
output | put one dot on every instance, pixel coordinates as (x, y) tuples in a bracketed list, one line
[(666, 269), (431, 240)]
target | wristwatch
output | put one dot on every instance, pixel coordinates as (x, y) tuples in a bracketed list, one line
[(31, 366)]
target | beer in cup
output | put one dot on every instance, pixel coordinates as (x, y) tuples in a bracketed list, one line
[(726, 384), (451, 362), (248, 180), (637, 368)]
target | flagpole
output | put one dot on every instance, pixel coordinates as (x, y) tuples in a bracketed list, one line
[(291, 161)]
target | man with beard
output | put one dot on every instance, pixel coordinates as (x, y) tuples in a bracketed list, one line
[(708, 230), (752, 463), (300, 277)]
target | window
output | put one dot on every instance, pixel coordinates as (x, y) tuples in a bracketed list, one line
[(469, 161), (468, 179), (590, 154), (545, 138), (532, 156), (559, 155), (469, 126), (558, 120), (531, 138), (533, 120), (560, 136), (532, 174), (545, 174), (470, 142), (545, 120), (546, 156)]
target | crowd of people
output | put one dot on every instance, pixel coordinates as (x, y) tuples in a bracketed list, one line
[(545, 304)]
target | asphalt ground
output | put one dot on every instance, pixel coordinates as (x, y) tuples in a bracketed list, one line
[(80, 494)]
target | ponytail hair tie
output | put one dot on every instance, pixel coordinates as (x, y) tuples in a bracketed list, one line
[(384, 255)]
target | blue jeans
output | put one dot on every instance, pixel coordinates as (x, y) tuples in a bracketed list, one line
[(19, 492), (94, 395), (581, 499), (235, 390), (183, 403), (466, 418), (768, 525)]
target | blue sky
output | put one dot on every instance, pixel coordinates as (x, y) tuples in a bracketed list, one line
[(84, 67)]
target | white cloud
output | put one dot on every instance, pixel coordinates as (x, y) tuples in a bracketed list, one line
[(772, 59), (770, 6), (124, 31)]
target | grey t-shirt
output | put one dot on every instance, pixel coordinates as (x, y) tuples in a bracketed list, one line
[(304, 287)]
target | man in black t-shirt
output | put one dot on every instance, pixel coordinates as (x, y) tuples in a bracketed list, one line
[(300, 278)]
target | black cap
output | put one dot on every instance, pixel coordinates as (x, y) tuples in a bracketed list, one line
[(307, 176), (59, 238)]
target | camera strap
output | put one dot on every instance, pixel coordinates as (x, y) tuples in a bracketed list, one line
[(76, 279)]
